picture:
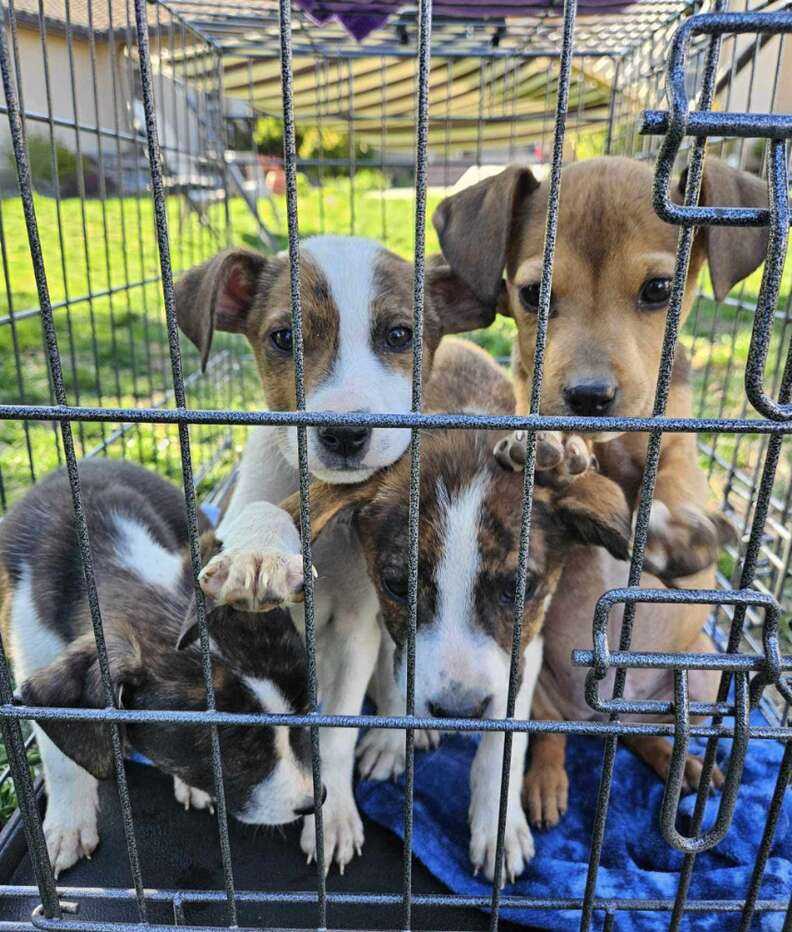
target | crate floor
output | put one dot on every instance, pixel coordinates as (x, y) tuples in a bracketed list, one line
[(179, 851)]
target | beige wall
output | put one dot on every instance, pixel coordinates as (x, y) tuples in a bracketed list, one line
[(178, 123), (34, 92), (755, 94)]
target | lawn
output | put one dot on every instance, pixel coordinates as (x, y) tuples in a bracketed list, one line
[(103, 281)]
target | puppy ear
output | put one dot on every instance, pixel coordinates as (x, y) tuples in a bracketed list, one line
[(475, 228), (732, 252), (593, 510), (327, 500), (457, 306), (217, 295), (73, 681)]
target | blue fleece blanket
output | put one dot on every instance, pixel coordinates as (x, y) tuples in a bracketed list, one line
[(636, 861)]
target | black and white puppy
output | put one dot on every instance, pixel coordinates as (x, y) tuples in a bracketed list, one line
[(357, 318), (145, 586)]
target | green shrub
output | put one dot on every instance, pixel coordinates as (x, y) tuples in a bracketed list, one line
[(67, 165), (311, 143)]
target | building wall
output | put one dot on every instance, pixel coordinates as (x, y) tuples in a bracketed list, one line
[(63, 105), (180, 127)]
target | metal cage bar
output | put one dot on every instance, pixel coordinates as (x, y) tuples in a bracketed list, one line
[(190, 50)]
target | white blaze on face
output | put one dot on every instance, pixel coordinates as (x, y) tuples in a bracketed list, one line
[(458, 664), (359, 379), (289, 785)]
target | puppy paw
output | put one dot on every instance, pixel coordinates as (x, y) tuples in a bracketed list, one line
[(559, 457), (343, 833), (190, 797), (545, 794), (680, 542), (381, 753), (518, 845), (426, 739), (253, 580), (70, 834), (694, 767)]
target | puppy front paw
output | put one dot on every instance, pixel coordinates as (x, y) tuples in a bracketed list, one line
[(190, 797), (559, 457), (343, 833), (381, 752), (253, 580), (680, 542), (518, 844), (71, 834), (545, 793)]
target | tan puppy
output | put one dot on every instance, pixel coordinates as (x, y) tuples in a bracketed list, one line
[(612, 273), (611, 284)]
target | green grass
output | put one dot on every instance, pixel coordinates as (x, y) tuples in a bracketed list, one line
[(114, 347)]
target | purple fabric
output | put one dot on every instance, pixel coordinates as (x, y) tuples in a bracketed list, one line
[(361, 17)]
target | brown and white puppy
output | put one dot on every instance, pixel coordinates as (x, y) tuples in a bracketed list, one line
[(469, 536), (612, 273), (613, 266), (357, 319), (145, 587)]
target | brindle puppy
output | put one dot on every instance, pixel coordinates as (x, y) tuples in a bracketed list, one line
[(469, 536)]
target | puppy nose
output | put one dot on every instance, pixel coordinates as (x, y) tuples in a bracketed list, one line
[(344, 441), (447, 709), (308, 807), (590, 399)]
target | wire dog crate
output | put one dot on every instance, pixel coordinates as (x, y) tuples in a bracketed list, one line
[(132, 136)]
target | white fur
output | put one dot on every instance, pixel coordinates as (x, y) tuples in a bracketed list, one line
[(260, 526), (72, 793), (290, 785), (347, 649), (359, 379), (381, 752), (33, 645), (458, 664), (191, 797), (459, 565), (485, 782), (659, 518), (139, 552)]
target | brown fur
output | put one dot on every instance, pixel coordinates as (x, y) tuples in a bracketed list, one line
[(609, 243), (240, 291), (591, 508)]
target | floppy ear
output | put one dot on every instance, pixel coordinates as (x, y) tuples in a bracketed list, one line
[(73, 681), (732, 252), (593, 510), (217, 295), (329, 499), (475, 228), (457, 306)]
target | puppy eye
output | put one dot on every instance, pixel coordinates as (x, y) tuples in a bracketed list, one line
[(399, 338), (508, 595), (282, 340), (529, 297), (396, 587), (655, 292)]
